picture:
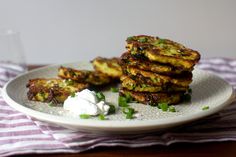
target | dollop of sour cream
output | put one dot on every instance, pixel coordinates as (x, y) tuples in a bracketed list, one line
[(85, 102)]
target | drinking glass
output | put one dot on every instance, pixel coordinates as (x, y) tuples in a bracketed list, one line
[(12, 59)]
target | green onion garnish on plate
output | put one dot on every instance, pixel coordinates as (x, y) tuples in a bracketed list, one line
[(84, 116), (114, 90), (101, 117), (100, 96), (163, 106), (205, 108), (122, 101)]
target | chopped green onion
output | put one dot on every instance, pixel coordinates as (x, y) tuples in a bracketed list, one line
[(129, 112), (101, 117), (122, 101), (42, 94), (205, 107), (144, 85), (172, 108), (84, 116), (72, 94), (132, 86), (129, 116), (114, 90), (163, 106), (100, 96), (130, 38), (112, 109), (128, 97), (69, 82), (159, 42), (186, 97), (162, 41), (142, 39)]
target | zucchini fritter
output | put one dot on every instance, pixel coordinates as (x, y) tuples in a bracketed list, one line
[(52, 89), (153, 98), (84, 76), (108, 66), (157, 79), (163, 51), (144, 64), (139, 86)]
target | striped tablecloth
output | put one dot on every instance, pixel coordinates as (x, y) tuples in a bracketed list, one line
[(20, 134)]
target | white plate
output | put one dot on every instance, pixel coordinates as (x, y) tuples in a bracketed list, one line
[(208, 90)]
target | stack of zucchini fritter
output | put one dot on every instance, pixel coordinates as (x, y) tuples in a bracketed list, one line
[(156, 70)]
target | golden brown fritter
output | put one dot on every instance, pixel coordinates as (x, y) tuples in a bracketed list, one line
[(84, 76), (157, 79), (153, 98), (108, 66), (52, 89), (144, 64), (163, 51), (135, 84)]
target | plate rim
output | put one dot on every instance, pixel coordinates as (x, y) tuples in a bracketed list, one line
[(107, 125)]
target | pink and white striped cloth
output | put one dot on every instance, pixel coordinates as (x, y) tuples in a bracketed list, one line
[(20, 134)]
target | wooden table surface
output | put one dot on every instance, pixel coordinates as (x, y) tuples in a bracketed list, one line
[(220, 149), (216, 149)]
